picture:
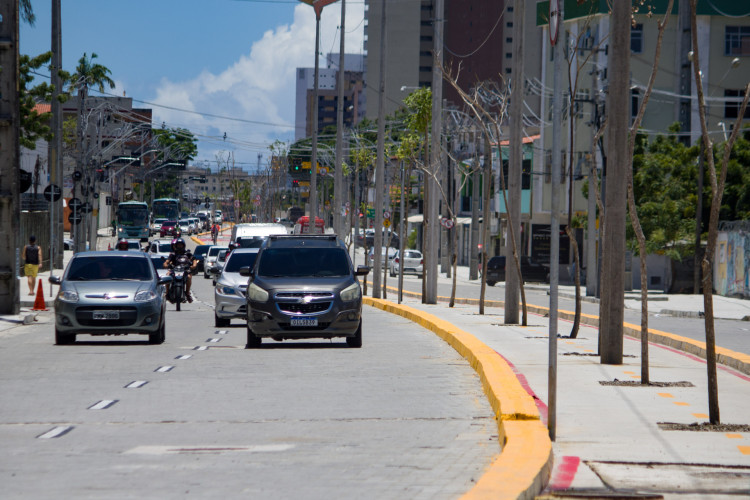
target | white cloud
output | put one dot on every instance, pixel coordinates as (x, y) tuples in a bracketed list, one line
[(259, 86)]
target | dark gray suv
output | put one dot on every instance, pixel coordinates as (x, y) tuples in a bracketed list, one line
[(304, 286)]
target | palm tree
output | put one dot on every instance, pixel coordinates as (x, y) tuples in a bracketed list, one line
[(89, 73), (27, 12)]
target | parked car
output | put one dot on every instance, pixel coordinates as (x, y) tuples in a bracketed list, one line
[(369, 238), (160, 247), (156, 225), (413, 263), (68, 243), (229, 293), (110, 293), (390, 251), (531, 271), (167, 228), (210, 260), (200, 256), (303, 286)]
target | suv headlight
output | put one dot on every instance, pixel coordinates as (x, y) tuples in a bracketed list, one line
[(145, 296), (68, 296), (351, 293), (256, 293)]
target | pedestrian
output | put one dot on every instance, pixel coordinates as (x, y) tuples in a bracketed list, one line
[(32, 257)]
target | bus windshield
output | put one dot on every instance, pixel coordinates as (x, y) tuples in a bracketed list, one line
[(133, 215), (166, 208)]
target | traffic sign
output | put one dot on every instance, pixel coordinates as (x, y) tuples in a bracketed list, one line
[(386, 214), (75, 204), (386, 223), (446, 223), (77, 175), (86, 208), (75, 219), (52, 193), (236, 203), (96, 196)]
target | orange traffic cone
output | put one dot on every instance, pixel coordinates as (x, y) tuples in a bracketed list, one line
[(109, 247), (39, 304)]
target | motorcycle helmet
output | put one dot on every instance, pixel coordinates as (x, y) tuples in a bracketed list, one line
[(232, 246), (122, 244), (179, 245)]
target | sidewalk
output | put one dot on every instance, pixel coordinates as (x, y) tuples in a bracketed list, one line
[(613, 435)]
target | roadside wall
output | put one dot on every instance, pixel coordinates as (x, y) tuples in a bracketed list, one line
[(732, 260)]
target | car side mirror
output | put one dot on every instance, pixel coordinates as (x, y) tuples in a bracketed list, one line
[(163, 280), (55, 280), (246, 271), (362, 271)]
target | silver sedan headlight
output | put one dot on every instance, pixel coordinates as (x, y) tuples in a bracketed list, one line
[(145, 296), (222, 289), (256, 293), (351, 293), (68, 296)]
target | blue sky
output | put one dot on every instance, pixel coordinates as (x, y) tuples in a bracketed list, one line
[(229, 58)]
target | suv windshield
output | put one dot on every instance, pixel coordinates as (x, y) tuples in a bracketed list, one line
[(296, 262)]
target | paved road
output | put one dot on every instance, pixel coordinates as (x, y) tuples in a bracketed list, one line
[(403, 417)]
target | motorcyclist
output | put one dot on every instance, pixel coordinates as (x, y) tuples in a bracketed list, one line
[(181, 255), (122, 244), (215, 232)]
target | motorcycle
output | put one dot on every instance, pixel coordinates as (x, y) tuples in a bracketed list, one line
[(177, 293)]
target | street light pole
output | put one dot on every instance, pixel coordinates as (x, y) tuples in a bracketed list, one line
[(338, 175)]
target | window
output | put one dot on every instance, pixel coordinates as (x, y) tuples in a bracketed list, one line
[(509, 40), (635, 103), (508, 55), (737, 41), (636, 39), (509, 25), (732, 108)]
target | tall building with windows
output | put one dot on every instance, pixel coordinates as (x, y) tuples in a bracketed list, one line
[(354, 95)]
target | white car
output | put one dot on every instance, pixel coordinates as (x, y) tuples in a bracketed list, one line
[(160, 247), (156, 225), (185, 227), (413, 263), (371, 255), (210, 259)]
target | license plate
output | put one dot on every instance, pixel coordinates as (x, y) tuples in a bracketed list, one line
[(304, 321), (106, 314)]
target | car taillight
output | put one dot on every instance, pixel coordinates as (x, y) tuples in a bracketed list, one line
[(421, 262), (395, 259)]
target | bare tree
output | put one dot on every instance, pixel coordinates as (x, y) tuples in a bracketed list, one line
[(717, 192)]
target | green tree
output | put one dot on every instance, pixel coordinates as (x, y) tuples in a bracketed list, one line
[(34, 125), (27, 12), (177, 144), (89, 73)]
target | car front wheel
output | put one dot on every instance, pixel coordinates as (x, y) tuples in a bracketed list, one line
[(64, 338), (221, 321), (253, 341), (356, 340)]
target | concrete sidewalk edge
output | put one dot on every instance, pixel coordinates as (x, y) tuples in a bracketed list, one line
[(524, 465), (726, 357)]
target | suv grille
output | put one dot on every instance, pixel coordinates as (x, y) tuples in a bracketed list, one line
[(299, 295), (297, 308)]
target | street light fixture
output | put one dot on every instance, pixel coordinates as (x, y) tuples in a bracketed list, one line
[(318, 6)]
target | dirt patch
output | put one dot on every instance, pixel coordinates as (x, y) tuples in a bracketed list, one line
[(635, 383), (703, 427)]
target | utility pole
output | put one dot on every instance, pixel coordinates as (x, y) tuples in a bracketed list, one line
[(338, 175), (475, 180), (613, 259), (432, 238), (380, 164), (515, 166), (55, 145), (556, 26), (10, 213)]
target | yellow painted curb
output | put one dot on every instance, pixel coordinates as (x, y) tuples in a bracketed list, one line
[(523, 467), (737, 360)]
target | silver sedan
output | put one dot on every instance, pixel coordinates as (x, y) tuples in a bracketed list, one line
[(229, 294), (110, 293)]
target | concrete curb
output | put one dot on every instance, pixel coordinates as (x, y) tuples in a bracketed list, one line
[(523, 467), (726, 357)]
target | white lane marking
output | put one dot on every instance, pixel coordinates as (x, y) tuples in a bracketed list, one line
[(56, 432), (103, 404), (221, 332), (200, 348), (213, 340), (184, 356), (173, 450), (164, 369), (136, 384)]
